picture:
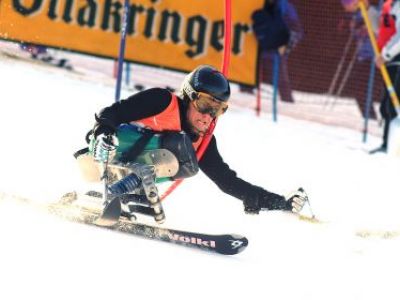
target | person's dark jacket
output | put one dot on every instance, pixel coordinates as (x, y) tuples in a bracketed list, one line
[(152, 102), (270, 28)]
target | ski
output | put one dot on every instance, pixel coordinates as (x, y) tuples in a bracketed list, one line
[(226, 244)]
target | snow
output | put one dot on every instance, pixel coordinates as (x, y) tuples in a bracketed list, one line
[(351, 254)]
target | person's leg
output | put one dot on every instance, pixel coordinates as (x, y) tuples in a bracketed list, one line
[(285, 89), (387, 109)]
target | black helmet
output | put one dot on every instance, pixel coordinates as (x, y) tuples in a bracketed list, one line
[(206, 79)]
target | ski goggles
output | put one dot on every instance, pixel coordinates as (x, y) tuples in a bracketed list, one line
[(207, 104)]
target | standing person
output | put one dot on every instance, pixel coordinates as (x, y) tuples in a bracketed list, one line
[(389, 44), (291, 18), (203, 96), (278, 30)]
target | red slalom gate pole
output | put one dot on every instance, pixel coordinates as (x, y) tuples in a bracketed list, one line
[(224, 69)]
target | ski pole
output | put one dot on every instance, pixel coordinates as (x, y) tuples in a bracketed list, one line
[(104, 179), (309, 206), (111, 207), (340, 65), (275, 79), (370, 88), (346, 75), (368, 100), (121, 55), (308, 201), (348, 71), (260, 70)]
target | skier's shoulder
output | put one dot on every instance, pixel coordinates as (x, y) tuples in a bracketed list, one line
[(160, 94), (158, 91), (153, 97)]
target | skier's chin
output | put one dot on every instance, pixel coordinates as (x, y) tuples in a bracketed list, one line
[(200, 132), (197, 131)]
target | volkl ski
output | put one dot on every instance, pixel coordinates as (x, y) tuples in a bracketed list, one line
[(226, 244)]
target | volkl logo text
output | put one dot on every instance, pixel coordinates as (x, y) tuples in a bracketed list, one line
[(191, 240)]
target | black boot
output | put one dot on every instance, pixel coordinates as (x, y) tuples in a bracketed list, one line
[(382, 148)]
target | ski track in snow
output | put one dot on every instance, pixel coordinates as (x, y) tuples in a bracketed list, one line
[(352, 254)]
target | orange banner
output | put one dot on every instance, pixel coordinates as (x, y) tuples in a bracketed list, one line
[(173, 34)]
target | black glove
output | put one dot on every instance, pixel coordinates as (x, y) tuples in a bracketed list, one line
[(265, 200), (103, 126), (100, 129)]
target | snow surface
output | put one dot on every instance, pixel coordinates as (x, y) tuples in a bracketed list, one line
[(352, 254)]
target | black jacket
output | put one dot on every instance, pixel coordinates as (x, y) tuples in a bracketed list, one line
[(152, 102), (270, 28)]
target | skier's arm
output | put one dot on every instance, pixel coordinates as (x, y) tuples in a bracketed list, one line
[(254, 197), (138, 106)]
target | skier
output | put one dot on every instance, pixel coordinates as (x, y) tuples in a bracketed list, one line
[(203, 96)]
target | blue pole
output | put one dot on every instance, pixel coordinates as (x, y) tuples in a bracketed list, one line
[(122, 51), (368, 100), (275, 82), (127, 73)]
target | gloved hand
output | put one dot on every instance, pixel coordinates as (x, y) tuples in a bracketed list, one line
[(296, 200), (265, 200), (104, 147), (102, 129)]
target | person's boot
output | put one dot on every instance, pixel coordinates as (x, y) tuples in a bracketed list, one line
[(382, 149)]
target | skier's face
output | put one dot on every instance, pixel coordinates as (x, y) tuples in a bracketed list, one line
[(198, 122)]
